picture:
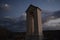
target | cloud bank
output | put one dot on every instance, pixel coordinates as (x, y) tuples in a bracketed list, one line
[(53, 24)]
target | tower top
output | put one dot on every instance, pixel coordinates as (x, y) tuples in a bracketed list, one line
[(32, 8)]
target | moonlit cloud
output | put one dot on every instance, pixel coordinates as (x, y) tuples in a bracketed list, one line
[(55, 24), (23, 16), (7, 17), (52, 16)]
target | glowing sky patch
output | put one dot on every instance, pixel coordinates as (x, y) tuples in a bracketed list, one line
[(6, 5)]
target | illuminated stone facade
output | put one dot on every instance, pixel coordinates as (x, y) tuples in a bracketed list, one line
[(34, 23)]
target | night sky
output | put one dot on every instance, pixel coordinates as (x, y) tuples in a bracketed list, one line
[(15, 8)]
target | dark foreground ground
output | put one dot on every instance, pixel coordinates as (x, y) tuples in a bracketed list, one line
[(8, 35), (52, 34)]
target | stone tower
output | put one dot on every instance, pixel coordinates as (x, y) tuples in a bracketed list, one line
[(34, 23)]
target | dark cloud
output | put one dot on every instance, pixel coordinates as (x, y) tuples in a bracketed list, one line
[(56, 14)]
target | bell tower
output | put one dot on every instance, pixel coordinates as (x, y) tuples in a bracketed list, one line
[(34, 23)]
